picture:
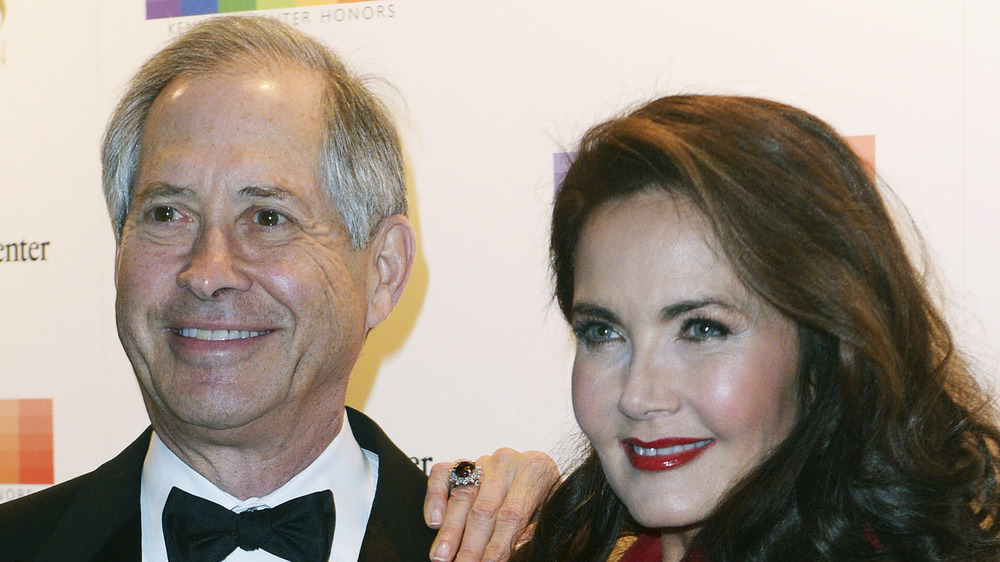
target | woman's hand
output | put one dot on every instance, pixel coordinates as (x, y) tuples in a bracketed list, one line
[(485, 522)]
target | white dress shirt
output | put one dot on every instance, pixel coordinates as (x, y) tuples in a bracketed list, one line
[(344, 467)]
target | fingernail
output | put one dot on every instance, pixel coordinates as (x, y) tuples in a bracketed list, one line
[(436, 516), (442, 552)]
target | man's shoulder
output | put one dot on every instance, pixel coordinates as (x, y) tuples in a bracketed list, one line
[(27, 521), (396, 528), (391, 458), (104, 495)]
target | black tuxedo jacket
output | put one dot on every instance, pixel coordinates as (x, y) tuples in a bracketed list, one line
[(96, 516)]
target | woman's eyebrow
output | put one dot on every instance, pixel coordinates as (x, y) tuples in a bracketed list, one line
[(674, 310), (667, 313), (593, 311)]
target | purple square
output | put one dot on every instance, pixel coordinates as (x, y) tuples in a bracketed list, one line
[(156, 9), (198, 7), (560, 165)]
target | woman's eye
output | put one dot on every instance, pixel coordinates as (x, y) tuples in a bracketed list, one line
[(163, 213), (701, 329), (592, 333), (268, 217)]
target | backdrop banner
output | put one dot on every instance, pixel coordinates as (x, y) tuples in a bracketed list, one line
[(489, 96)]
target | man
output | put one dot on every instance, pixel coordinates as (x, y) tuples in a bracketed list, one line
[(257, 197)]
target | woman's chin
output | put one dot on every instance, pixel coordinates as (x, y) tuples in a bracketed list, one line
[(667, 521)]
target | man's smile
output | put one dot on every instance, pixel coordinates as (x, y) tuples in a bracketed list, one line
[(219, 335)]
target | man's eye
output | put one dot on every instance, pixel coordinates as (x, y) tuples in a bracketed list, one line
[(163, 213), (701, 329), (268, 217)]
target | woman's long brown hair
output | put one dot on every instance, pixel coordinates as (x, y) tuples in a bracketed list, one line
[(894, 454)]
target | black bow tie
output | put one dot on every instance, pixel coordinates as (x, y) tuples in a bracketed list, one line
[(198, 530)]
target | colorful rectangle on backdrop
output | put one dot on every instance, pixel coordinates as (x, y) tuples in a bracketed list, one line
[(560, 165), (156, 9), (237, 5), (26, 451), (864, 147)]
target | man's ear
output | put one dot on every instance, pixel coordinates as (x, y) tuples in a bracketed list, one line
[(118, 259), (392, 251)]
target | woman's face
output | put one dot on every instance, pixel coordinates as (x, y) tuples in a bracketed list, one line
[(683, 379)]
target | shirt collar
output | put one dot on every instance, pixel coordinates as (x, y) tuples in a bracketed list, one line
[(343, 467)]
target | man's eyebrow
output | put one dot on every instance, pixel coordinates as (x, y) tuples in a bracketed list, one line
[(160, 190), (266, 192)]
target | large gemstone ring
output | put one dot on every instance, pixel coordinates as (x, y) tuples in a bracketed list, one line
[(465, 472)]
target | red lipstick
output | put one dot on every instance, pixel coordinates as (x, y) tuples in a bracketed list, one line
[(664, 454)]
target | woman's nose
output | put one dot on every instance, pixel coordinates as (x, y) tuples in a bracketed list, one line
[(650, 388)]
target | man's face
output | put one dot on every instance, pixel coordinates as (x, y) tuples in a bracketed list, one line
[(241, 304)]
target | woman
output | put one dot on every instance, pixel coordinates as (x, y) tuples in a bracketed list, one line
[(760, 370)]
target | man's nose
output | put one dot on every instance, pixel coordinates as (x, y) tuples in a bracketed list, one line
[(214, 267)]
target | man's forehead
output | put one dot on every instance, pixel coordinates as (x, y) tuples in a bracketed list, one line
[(247, 135), (294, 88), (236, 109)]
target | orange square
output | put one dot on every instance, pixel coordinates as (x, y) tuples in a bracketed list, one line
[(26, 443), (10, 442), (864, 147)]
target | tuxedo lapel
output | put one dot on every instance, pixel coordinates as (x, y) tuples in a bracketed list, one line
[(102, 520), (377, 545), (396, 530), (124, 545)]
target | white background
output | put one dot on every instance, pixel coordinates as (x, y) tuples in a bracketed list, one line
[(476, 357)]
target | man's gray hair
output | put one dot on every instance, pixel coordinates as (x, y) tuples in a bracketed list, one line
[(361, 164)]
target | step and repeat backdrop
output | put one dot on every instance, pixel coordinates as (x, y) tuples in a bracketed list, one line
[(488, 96)]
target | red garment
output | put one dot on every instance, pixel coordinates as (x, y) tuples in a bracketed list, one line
[(872, 538), (648, 548)]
